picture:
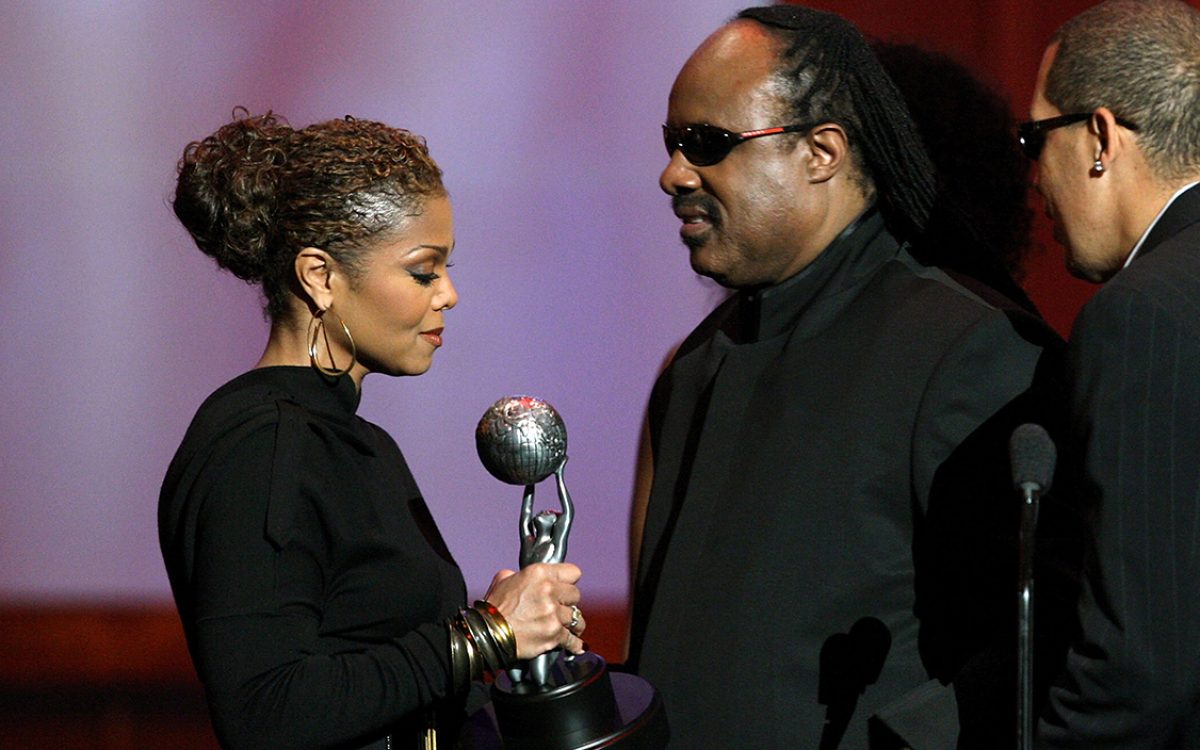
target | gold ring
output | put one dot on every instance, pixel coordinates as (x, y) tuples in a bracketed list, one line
[(576, 616)]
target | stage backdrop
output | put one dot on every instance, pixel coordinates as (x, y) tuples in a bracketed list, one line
[(545, 117)]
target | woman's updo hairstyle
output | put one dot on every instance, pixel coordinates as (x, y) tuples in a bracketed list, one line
[(257, 191)]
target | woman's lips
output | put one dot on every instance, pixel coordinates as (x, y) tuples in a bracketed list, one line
[(433, 336)]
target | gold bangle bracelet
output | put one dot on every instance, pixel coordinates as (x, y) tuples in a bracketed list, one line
[(500, 630), (485, 641), (462, 660)]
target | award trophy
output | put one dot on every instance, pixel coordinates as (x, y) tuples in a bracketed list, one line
[(557, 701)]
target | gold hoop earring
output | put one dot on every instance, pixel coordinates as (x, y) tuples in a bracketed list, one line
[(317, 332)]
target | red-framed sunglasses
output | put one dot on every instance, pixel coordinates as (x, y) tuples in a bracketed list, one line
[(704, 145)]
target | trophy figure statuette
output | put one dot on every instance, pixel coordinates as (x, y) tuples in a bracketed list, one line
[(557, 701)]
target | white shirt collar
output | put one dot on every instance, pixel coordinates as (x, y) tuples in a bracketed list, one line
[(1145, 234)]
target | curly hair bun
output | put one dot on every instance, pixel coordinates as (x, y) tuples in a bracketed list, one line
[(257, 191), (227, 192)]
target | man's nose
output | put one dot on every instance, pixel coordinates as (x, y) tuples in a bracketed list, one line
[(679, 176)]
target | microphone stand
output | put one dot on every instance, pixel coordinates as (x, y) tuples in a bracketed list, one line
[(1032, 454), (1029, 512)]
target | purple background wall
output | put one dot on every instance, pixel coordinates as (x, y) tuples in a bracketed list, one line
[(573, 284)]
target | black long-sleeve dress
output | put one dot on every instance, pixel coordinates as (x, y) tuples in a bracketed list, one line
[(311, 580)]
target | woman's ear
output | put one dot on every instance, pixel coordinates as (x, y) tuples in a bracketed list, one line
[(314, 272), (829, 151)]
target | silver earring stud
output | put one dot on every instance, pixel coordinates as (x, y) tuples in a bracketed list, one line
[(1098, 167)]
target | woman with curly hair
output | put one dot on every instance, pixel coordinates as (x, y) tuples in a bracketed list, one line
[(321, 606)]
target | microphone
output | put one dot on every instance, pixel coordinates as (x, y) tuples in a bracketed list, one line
[(1032, 454), (1033, 457)]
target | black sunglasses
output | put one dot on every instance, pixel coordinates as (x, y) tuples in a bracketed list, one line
[(705, 145), (1032, 135)]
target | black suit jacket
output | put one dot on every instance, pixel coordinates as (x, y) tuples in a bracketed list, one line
[(1133, 679), (830, 530)]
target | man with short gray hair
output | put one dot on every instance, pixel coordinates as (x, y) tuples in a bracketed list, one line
[(1116, 132)]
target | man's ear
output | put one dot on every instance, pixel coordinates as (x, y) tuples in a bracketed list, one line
[(314, 273), (829, 152), (1111, 138)]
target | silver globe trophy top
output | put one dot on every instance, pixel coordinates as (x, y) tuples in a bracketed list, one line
[(521, 440)]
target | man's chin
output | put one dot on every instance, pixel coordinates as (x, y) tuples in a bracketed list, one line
[(1075, 264), (720, 279), (1088, 271), (702, 265), (1075, 270), (694, 242), (716, 275)]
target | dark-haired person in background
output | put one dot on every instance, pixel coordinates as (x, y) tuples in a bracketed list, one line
[(1116, 136), (321, 607), (980, 224), (979, 233), (827, 555)]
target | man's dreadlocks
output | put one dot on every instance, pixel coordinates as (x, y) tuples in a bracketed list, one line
[(831, 75)]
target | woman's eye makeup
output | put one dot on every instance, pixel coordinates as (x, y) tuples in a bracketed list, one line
[(425, 279)]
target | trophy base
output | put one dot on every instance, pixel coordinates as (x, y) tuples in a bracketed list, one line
[(582, 707)]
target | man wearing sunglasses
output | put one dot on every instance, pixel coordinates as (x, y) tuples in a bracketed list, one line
[(827, 557), (1116, 137)]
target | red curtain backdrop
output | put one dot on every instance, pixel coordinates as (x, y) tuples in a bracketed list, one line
[(1001, 41)]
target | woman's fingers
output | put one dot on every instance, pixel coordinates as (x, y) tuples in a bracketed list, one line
[(501, 575), (575, 645), (541, 605), (573, 619), (566, 572)]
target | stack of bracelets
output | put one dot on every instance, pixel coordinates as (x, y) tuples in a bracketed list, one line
[(481, 643)]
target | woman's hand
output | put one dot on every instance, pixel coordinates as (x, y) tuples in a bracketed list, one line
[(541, 606)]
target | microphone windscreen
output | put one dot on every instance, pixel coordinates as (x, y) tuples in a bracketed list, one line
[(1033, 455)]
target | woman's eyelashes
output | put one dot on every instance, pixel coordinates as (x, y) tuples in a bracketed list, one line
[(425, 279)]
